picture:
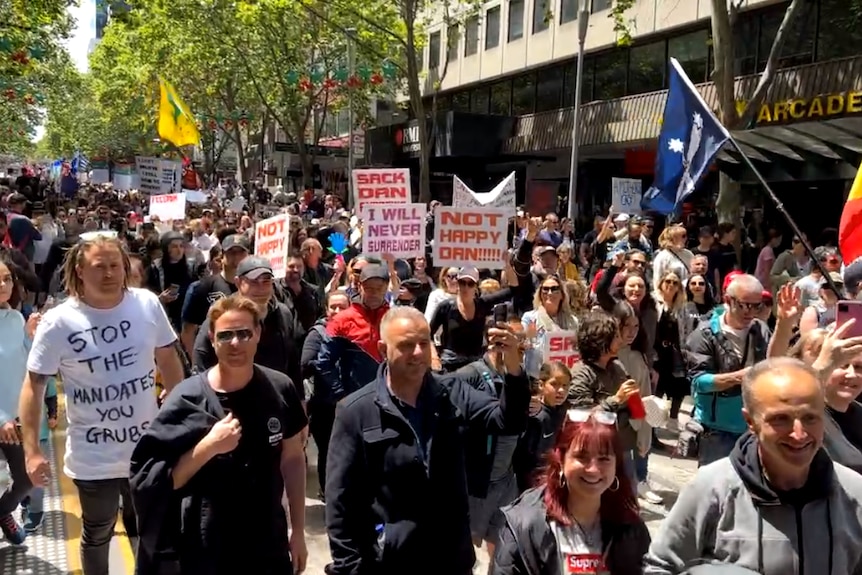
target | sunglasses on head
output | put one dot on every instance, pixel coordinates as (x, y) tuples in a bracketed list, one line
[(228, 335), (584, 415)]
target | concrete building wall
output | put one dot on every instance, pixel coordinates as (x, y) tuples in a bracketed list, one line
[(559, 40)]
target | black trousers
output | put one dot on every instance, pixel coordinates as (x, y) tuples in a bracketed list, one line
[(321, 417), (14, 455), (100, 503)]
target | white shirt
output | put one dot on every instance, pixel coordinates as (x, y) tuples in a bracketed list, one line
[(106, 360)]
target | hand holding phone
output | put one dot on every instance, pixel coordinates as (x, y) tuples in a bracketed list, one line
[(847, 310)]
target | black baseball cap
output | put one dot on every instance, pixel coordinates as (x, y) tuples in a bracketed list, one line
[(236, 241), (374, 272), (253, 267), (17, 199)]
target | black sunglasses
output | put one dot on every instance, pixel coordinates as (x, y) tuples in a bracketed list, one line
[(467, 283), (228, 335)]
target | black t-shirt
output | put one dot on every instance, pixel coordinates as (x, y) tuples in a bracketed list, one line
[(209, 290), (726, 260), (463, 340), (712, 262), (269, 410)]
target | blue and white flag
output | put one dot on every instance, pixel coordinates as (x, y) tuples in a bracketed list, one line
[(690, 138), (80, 164)]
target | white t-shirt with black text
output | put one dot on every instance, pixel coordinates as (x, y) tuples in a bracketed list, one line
[(106, 360)]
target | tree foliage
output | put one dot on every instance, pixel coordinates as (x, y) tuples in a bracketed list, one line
[(30, 53)]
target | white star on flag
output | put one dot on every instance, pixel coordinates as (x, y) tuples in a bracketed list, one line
[(676, 145), (697, 117)]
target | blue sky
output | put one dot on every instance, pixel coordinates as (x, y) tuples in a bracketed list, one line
[(79, 43), (84, 32)]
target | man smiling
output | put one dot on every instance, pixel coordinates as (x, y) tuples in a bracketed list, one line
[(778, 504)]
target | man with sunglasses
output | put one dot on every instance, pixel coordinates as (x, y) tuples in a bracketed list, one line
[(721, 351), (281, 336)]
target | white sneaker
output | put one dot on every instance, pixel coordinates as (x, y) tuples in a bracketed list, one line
[(672, 425), (646, 493)]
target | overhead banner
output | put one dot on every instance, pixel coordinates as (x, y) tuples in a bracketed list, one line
[(397, 229), (502, 196), (470, 237), (373, 186)]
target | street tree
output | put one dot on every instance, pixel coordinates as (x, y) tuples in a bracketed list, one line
[(31, 32), (403, 25)]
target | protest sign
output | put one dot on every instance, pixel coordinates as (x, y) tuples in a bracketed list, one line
[(397, 229), (149, 173), (502, 196), (271, 242), (170, 176), (168, 206), (626, 196), (562, 345), (470, 237), (380, 186)]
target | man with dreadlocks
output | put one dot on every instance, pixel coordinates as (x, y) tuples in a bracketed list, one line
[(105, 341)]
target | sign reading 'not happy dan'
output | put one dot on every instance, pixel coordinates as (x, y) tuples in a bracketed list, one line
[(393, 229)]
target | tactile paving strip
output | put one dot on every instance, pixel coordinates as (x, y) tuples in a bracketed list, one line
[(44, 552)]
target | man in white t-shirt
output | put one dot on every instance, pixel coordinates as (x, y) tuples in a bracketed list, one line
[(106, 342)]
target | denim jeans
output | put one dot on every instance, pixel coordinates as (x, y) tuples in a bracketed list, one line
[(714, 445), (100, 503), (641, 467), (630, 468), (21, 485)]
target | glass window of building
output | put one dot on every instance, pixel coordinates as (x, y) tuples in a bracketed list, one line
[(480, 100), (434, 51), (471, 36), (568, 11), (745, 34), (501, 98), (516, 20), (461, 101), (524, 94), (692, 51), (541, 16), (599, 5), (569, 76), (452, 37), (492, 28), (647, 66), (549, 89), (610, 75), (798, 47), (840, 32), (769, 23)]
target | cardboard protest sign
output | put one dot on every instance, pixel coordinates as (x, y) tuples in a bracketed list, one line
[(380, 186), (502, 196), (272, 241), (168, 206), (393, 229), (562, 345), (470, 237)]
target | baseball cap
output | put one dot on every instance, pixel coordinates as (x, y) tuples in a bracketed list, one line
[(374, 272), (542, 250), (469, 273), (17, 198), (235, 241), (253, 267), (621, 219)]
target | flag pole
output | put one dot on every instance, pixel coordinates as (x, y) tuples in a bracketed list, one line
[(779, 205)]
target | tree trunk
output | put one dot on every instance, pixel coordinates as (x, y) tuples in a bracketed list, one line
[(414, 89)]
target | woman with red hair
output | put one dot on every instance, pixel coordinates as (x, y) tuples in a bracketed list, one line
[(582, 517)]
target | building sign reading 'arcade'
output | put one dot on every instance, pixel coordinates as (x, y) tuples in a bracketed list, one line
[(807, 109)]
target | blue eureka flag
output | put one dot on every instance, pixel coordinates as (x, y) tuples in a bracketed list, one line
[(690, 138)]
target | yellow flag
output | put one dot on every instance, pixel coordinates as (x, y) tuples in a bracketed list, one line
[(176, 123)]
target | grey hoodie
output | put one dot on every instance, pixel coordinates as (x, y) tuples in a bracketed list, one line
[(730, 514)]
